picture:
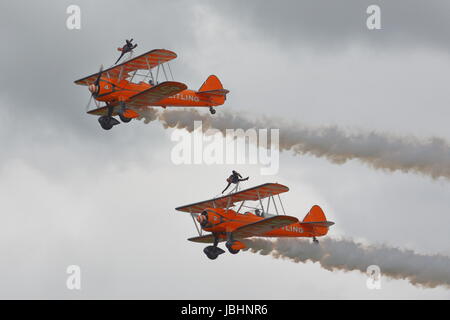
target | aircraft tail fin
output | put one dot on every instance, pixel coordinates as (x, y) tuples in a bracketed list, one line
[(212, 83), (316, 214), (213, 90), (316, 219)]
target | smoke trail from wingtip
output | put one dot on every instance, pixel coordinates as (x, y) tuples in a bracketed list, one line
[(346, 255), (429, 157)]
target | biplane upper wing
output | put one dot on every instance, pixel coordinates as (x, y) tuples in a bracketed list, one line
[(252, 194), (145, 61), (155, 94), (261, 227)]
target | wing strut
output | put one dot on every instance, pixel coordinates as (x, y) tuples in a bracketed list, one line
[(157, 71), (195, 224), (242, 203), (260, 202), (164, 70), (170, 70), (228, 204), (281, 202), (150, 71), (274, 204)]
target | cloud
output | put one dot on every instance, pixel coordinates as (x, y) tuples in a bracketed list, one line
[(339, 24)]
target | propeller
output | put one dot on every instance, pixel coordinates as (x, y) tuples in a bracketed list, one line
[(95, 87), (203, 218)]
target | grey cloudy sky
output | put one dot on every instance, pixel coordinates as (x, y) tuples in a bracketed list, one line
[(72, 193)]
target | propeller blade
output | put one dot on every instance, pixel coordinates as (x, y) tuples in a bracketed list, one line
[(97, 83)]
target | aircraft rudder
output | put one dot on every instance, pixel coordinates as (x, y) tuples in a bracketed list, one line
[(211, 83), (213, 90), (315, 214), (317, 220)]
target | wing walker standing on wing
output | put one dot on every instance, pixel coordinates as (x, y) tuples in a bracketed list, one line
[(235, 178)]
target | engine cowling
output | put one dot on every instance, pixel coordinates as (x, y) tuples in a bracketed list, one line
[(208, 219)]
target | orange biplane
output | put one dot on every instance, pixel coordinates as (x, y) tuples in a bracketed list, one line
[(225, 224), (127, 93)]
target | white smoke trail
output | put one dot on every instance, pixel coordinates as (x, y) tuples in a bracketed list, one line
[(347, 255), (429, 157)]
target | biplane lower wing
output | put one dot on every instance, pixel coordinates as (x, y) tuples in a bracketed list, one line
[(155, 94), (103, 111), (145, 98), (209, 238), (252, 194), (261, 227)]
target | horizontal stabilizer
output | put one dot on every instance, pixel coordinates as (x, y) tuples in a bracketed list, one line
[(218, 92), (318, 223)]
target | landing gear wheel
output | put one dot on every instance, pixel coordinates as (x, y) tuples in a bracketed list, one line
[(212, 110), (212, 256), (212, 252), (107, 122), (124, 119), (230, 249), (315, 240)]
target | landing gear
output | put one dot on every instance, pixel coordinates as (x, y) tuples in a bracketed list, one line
[(107, 122), (315, 240), (124, 119), (121, 112), (212, 110), (230, 243), (212, 252), (230, 249)]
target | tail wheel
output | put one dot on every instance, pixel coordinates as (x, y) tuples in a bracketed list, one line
[(212, 110)]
